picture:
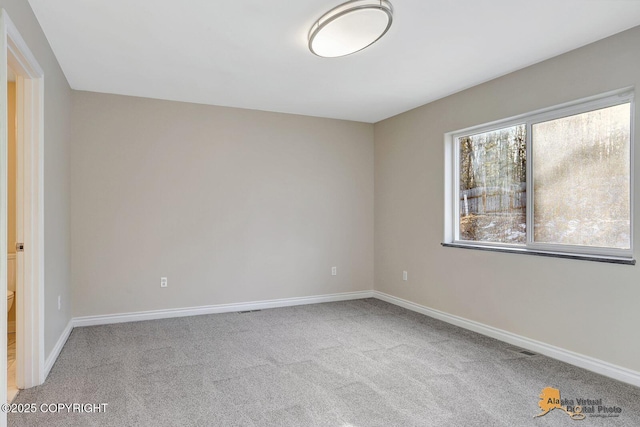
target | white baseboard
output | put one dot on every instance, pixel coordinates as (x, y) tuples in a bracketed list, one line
[(219, 308), (592, 364), (53, 356), (193, 311)]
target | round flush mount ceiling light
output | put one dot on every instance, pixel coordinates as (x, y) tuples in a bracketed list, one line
[(350, 27)]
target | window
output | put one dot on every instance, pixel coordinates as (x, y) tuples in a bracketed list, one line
[(555, 182)]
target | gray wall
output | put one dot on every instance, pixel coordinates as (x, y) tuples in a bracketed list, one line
[(231, 205), (587, 307), (57, 109)]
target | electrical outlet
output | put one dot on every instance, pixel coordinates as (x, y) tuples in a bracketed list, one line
[(334, 271), (163, 282), (404, 275), (59, 302)]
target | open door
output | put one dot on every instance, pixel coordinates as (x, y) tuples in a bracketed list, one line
[(30, 361), (4, 148)]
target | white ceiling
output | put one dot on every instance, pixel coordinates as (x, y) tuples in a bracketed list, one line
[(253, 53)]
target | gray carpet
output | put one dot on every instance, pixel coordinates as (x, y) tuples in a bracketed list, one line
[(356, 363)]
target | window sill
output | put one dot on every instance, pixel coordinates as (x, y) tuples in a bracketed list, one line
[(597, 258)]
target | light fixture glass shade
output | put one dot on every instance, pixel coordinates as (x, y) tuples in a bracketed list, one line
[(350, 27)]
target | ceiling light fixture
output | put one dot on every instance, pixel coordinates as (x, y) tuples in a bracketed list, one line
[(350, 27)]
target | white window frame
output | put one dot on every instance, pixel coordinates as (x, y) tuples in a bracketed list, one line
[(452, 175)]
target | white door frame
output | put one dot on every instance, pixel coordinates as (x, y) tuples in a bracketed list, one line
[(30, 360)]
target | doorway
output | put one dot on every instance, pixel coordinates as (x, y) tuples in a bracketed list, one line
[(29, 213), (12, 232)]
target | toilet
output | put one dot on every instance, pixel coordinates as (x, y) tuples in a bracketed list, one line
[(9, 300)]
